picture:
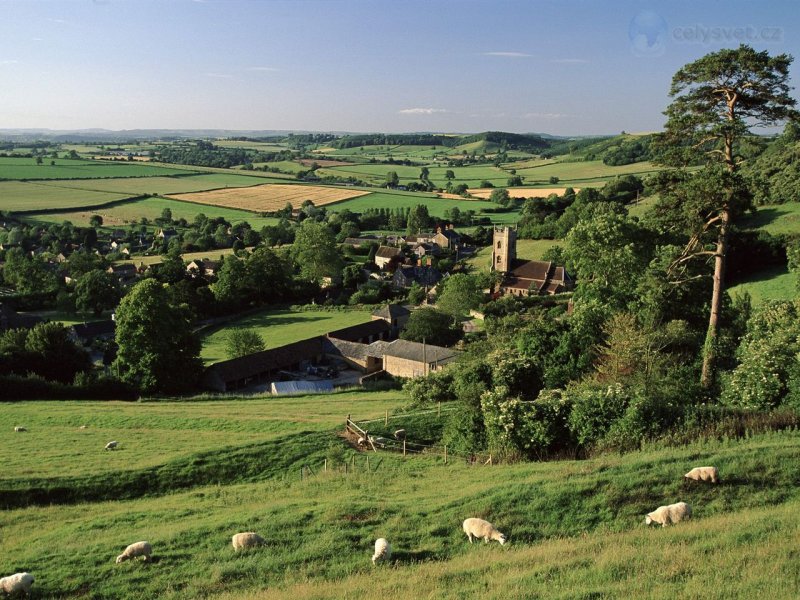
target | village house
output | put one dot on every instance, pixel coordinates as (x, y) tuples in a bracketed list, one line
[(425, 249), (205, 268), (386, 254), (357, 242), (125, 272), (166, 233), (395, 315), (525, 277), (447, 237), (425, 276)]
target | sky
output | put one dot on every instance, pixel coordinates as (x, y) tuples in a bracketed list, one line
[(564, 67)]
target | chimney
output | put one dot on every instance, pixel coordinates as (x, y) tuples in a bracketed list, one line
[(450, 226)]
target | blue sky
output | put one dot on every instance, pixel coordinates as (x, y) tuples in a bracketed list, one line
[(563, 67)]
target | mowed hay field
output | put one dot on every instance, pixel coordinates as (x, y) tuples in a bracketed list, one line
[(271, 197), (186, 182), (575, 528)]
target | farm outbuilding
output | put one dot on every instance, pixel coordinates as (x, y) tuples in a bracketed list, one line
[(284, 388)]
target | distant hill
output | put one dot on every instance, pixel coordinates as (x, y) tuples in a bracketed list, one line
[(623, 149)]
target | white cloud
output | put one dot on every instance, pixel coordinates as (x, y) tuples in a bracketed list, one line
[(422, 111), (539, 115), (508, 54), (569, 61), (261, 69)]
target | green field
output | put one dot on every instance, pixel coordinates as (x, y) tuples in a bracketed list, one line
[(29, 195), (436, 206), (26, 168), (775, 219), (189, 475), (280, 327), (187, 257), (130, 212), (376, 174), (579, 174), (773, 283), (160, 185)]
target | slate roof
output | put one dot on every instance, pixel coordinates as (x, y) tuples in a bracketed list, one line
[(387, 252), (266, 360), (357, 332), (89, 331), (419, 352), (391, 312)]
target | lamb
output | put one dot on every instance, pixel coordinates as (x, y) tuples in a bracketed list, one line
[(672, 513), (247, 539), (83, 427), (400, 434), (18, 583), (135, 550), (478, 528), (703, 474), (19, 429), (383, 551), (112, 445)]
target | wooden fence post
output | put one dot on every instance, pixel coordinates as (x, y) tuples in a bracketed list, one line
[(445, 455), (367, 463), (439, 409), (386, 419), (404, 447), (325, 465)]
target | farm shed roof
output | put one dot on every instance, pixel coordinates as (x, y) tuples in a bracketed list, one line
[(244, 367), (387, 252), (391, 311), (363, 330), (419, 352)]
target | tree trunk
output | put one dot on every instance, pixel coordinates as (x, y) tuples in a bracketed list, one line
[(710, 348)]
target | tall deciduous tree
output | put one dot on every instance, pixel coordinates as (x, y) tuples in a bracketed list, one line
[(97, 291), (158, 352), (717, 100), (315, 251)]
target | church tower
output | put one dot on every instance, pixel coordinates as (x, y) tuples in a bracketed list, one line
[(504, 249)]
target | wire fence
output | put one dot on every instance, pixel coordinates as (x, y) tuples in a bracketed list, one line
[(399, 441)]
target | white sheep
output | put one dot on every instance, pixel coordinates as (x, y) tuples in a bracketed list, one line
[(135, 550), (112, 445), (480, 529), (362, 441), (18, 583), (703, 474), (83, 427), (247, 539), (383, 551), (19, 429), (672, 513)]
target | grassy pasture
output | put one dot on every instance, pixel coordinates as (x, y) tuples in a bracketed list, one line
[(26, 168), (187, 257), (581, 173), (159, 185), (269, 197), (130, 212), (261, 146), (773, 283), (575, 527), (280, 327), (27, 195), (376, 174), (775, 219)]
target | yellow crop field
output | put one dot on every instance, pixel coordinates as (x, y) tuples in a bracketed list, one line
[(522, 192), (270, 196)]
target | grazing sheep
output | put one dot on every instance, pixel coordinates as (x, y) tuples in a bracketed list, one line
[(362, 441), (247, 539), (383, 551), (703, 474), (83, 427), (112, 445), (400, 434), (19, 429), (135, 550), (480, 529), (672, 513), (18, 583)]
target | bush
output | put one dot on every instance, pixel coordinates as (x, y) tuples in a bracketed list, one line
[(14, 387), (434, 387), (595, 409)]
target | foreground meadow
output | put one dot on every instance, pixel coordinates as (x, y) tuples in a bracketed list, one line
[(575, 527)]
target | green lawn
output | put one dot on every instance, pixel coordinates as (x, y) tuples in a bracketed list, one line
[(774, 283), (161, 185), (775, 219), (26, 168), (280, 327), (579, 173)]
